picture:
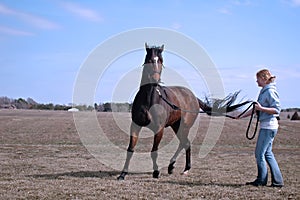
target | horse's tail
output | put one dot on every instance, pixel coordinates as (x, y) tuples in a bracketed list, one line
[(206, 108), (221, 106)]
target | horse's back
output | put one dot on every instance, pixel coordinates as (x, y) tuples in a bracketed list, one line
[(185, 99), (184, 96)]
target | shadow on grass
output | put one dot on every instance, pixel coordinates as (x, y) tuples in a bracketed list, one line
[(114, 174), (82, 174), (195, 183)]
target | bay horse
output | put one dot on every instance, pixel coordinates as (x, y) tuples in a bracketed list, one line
[(174, 102)]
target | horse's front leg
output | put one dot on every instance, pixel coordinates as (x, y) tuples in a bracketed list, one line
[(134, 135), (154, 153)]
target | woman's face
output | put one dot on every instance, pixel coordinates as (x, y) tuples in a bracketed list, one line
[(260, 81)]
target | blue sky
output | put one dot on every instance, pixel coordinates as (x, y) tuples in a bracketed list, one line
[(44, 43)]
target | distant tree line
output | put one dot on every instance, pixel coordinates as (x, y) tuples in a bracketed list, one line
[(29, 103), (113, 107), (291, 110)]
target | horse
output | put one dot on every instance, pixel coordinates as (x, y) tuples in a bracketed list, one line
[(174, 102)]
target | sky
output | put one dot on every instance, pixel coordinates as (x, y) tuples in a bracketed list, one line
[(44, 43)]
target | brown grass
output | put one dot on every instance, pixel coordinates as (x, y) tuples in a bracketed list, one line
[(42, 158)]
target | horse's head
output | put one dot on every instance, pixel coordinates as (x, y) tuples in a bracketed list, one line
[(153, 64)]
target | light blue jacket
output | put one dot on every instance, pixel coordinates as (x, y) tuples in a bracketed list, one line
[(268, 97)]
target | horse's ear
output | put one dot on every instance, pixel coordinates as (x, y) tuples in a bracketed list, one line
[(162, 47), (146, 45)]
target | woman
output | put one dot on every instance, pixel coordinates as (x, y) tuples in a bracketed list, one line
[(268, 107)]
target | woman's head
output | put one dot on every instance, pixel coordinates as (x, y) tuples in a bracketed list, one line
[(264, 77)]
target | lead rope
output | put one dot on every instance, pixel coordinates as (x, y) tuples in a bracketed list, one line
[(250, 121), (173, 106)]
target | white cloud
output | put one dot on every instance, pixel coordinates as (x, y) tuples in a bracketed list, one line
[(287, 73), (11, 31), (225, 11), (82, 12), (176, 25), (241, 2), (296, 2), (5, 10), (293, 3), (39, 22), (36, 21), (231, 5)]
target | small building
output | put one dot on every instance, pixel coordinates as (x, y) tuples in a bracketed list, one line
[(73, 110)]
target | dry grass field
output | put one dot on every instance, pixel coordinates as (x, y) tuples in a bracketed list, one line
[(42, 157)]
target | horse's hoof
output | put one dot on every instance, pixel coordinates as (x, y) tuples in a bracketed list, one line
[(186, 172), (122, 176), (155, 174), (171, 167)]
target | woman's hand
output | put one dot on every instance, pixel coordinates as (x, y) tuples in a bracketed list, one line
[(258, 106)]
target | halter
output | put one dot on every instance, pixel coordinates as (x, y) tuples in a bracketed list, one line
[(151, 72), (153, 66), (156, 64)]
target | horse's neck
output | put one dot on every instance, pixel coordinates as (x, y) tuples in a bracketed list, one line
[(150, 94)]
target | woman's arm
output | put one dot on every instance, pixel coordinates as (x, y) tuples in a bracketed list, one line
[(270, 111)]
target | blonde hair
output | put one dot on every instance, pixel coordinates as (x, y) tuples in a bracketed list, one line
[(266, 75)]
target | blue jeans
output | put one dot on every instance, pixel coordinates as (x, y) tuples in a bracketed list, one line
[(263, 155)]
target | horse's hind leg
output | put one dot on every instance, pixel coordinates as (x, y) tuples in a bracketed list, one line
[(184, 143), (188, 159), (154, 153), (173, 159), (134, 134)]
